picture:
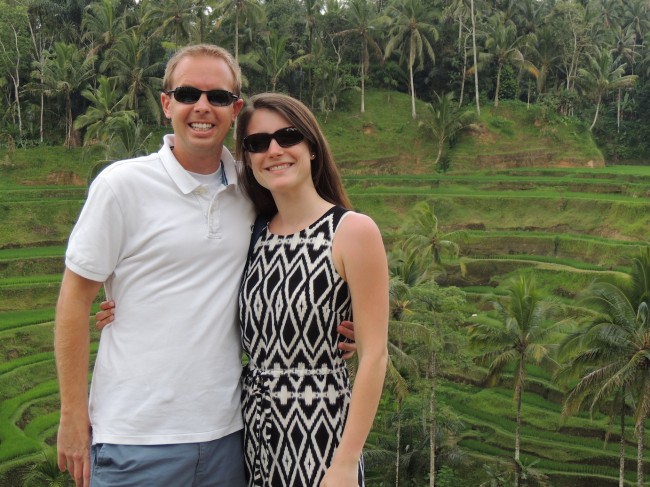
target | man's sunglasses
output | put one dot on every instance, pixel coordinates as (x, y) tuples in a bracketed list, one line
[(190, 95), (285, 137)]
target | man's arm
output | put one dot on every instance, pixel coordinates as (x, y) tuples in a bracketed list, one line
[(72, 350)]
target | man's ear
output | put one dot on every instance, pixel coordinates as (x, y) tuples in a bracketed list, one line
[(236, 108), (165, 101)]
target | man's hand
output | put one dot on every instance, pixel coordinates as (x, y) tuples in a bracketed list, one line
[(106, 315), (73, 448), (346, 328)]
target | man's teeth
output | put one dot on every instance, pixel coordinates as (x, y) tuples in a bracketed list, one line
[(201, 126)]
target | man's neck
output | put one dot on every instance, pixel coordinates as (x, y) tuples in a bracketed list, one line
[(199, 163)]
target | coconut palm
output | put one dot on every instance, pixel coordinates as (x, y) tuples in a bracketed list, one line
[(615, 352), (543, 52), (132, 68), (239, 11), (502, 47), (365, 25), (423, 235), (175, 18), (602, 75), (66, 72), (274, 58), (102, 25), (520, 336), (412, 34), (106, 105), (46, 473), (446, 120)]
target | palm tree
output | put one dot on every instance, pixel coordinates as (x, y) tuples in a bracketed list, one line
[(275, 59), (131, 66), (475, 55), (240, 11), (502, 47), (615, 352), (102, 25), (521, 336), (543, 52), (445, 122), (601, 352), (602, 75), (412, 34), (365, 25), (171, 17), (126, 139), (66, 72), (46, 473), (105, 107), (423, 235)]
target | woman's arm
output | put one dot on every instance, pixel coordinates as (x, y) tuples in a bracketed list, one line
[(360, 257)]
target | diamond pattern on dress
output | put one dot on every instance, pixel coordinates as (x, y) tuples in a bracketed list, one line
[(296, 391)]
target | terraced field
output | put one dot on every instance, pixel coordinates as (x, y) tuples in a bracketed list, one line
[(566, 226)]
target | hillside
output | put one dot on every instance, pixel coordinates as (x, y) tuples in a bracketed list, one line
[(524, 194)]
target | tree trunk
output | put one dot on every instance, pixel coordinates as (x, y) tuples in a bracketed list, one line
[(236, 33), (496, 93), (462, 83), (478, 107), (596, 114), (441, 144), (618, 112), (518, 393), (399, 439), (621, 462), (38, 54), (68, 121), (433, 424), (413, 114), (363, 74), (640, 427)]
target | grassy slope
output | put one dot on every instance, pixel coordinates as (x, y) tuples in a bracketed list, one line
[(596, 215)]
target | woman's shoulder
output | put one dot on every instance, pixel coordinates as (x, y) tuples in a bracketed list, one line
[(357, 225)]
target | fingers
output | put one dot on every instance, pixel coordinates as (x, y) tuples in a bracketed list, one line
[(106, 316), (60, 460), (80, 471), (346, 328), (349, 349)]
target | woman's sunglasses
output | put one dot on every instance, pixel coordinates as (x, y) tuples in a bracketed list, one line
[(190, 95), (285, 137)]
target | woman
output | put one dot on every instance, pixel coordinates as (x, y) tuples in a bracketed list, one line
[(315, 264)]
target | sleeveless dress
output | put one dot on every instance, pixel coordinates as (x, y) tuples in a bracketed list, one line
[(295, 388)]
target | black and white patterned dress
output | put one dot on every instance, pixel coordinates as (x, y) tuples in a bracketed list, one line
[(296, 391)]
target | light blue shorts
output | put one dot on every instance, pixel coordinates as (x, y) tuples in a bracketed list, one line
[(217, 463)]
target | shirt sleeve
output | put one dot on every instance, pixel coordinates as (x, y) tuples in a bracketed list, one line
[(95, 243)]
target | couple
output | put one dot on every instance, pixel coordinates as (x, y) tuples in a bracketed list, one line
[(167, 235)]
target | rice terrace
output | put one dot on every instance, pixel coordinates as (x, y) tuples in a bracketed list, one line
[(564, 223)]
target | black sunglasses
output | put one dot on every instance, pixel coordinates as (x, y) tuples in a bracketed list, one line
[(285, 137), (190, 95)]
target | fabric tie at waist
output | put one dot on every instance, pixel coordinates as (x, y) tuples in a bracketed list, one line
[(261, 391)]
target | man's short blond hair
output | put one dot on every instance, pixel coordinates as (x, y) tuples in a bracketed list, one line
[(198, 50)]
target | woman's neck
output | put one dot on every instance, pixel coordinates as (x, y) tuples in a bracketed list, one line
[(297, 213)]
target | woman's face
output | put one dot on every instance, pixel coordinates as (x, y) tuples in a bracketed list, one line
[(279, 169)]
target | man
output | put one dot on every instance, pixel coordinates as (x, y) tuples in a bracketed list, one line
[(167, 234)]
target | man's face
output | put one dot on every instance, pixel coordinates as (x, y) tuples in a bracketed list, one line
[(200, 128)]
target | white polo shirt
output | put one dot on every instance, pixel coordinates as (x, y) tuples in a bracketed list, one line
[(168, 367)]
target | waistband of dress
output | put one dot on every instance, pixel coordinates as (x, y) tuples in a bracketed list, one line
[(251, 369)]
